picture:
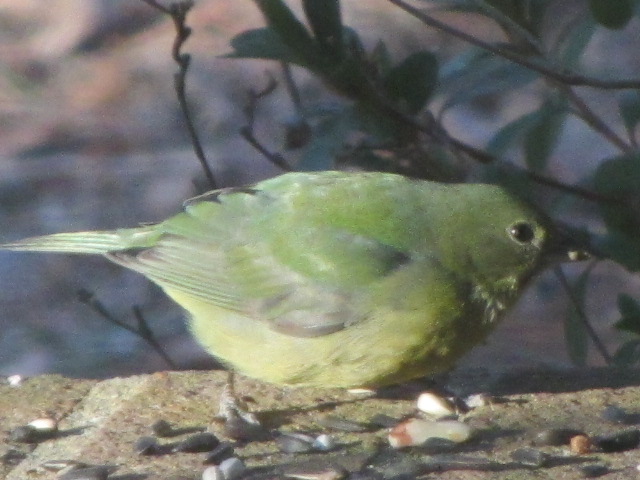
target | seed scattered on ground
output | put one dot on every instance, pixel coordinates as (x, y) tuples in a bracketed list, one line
[(436, 405), (581, 444), (416, 431)]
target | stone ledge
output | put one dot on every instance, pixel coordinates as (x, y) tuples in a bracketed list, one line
[(100, 422)]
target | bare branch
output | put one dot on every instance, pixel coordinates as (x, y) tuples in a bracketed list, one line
[(142, 330), (567, 78), (247, 131), (582, 315), (178, 12)]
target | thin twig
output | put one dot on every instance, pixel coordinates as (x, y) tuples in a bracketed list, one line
[(584, 112), (435, 131), (143, 331), (147, 334), (577, 191), (275, 158), (178, 12), (582, 315), (581, 109), (292, 88), (568, 78), (247, 131), (508, 25)]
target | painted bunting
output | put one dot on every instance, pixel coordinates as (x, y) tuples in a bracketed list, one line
[(337, 279)]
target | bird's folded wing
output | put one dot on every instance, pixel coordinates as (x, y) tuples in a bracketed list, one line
[(315, 287)]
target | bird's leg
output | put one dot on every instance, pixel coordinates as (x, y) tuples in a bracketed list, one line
[(231, 407)]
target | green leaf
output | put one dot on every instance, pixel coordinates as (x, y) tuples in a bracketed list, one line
[(627, 306), (628, 353), (328, 140), (538, 130), (381, 58), (629, 104), (290, 30), (511, 134), (575, 333), (543, 137), (572, 48), (512, 178), (619, 178), (477, 74), (411, 83), (621, 248), (263, 43), (326, 22), (613, 14), (526, 13), (630, 312)]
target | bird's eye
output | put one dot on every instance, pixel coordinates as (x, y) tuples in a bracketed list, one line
[(522, 232)]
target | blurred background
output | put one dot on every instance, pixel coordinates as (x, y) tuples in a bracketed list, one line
[(91, 137)]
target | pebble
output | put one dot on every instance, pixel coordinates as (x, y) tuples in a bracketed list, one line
[(531, 457), (57, 465), (342, 424), (436, 405), (581, 444), (324, 443), (555, 436), (15, 380), (218, 454), (232, 468), (478, 400), (618, 442), (415, 431), (198, 442), (36, 431), (46, 425), (212, 473)]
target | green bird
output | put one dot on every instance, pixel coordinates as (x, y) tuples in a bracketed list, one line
[(337, 279)]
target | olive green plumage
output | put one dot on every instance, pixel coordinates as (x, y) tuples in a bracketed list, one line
[(334, 278)]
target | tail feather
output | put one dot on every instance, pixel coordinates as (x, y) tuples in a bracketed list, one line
[(97, 242)]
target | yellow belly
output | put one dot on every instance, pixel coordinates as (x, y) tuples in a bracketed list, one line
[(385, 348)]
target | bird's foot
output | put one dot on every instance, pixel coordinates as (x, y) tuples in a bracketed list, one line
[(232, 408)]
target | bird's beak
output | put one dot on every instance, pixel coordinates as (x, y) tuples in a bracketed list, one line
[(572, 245)]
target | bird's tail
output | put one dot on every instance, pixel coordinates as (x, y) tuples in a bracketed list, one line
[(99, 242)]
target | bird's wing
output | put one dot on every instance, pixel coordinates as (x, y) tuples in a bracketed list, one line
[(242, 251)]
